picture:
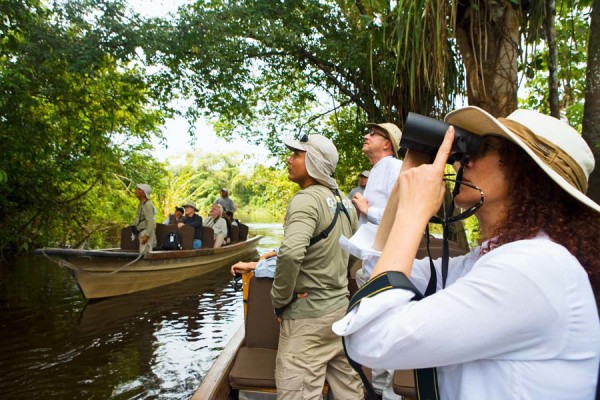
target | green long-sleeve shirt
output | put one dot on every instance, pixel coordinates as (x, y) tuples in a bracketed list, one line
[(319, 270)]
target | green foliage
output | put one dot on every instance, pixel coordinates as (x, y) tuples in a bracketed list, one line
[(199, 180), (572, 31), (263, 69), (266, 189), (75, 122), (78, 108)]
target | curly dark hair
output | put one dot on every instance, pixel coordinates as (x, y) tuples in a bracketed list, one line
[(538, 203)]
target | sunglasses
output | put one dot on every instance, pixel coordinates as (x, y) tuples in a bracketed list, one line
[(374, 132)]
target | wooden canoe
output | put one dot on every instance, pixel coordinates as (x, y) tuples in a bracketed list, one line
[(114, 272)]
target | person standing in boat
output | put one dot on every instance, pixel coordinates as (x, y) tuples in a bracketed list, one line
[(216, 221), (517, 318), (145, 220), (382, 142), (309, 352), (381, 145), (225, 201), (363, 178), (194, 220)]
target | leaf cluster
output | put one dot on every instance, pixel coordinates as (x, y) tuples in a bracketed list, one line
[(75, 121)]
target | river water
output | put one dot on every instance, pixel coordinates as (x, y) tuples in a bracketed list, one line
[(155, 344)]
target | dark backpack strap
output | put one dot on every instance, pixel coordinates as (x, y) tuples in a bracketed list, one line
[(339, 207)]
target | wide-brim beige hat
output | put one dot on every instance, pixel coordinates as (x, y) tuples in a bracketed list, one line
[(394, 134), (555, 146), (321, 157), (190, 204)]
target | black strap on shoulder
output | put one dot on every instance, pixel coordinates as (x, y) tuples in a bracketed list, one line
[(339, 207), (425, 378), (381, 283)]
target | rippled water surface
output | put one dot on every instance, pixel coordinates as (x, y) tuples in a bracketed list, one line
[(155, 344)]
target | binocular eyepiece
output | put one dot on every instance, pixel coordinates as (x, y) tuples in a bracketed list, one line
[(425, 135)]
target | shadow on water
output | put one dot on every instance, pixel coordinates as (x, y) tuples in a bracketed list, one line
[(155, 344)]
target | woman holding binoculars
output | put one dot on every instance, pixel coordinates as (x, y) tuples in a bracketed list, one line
[(517, 318)]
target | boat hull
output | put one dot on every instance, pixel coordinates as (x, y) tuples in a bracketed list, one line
[(105, 273)]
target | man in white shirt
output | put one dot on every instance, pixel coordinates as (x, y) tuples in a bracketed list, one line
[(382, 142)]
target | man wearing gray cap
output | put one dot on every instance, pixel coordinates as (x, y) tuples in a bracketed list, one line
[(310, 288), (145, 220), (363, 178)]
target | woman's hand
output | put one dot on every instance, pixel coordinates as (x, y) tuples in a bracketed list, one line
[(420, 191), (422, 188)]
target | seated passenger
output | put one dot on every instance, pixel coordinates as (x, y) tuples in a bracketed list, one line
[(233, 221), (230, 222), (193, 219), (176, 218), (216, 221), (264, 268)]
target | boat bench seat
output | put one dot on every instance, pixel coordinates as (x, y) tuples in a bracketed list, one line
[(254, 366), (253, 372), (126, 242), (238, 233), (243, 232), (208, 237), (234, 234), (187, 235)]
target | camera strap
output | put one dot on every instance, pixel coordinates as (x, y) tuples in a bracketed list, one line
[(425, 378), (381, 283)]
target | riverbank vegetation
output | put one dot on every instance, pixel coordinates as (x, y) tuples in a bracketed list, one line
[(87, 84)]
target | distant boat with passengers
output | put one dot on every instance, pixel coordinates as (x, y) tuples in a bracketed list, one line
[(118, 271)]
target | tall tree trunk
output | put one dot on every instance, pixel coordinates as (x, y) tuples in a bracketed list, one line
[(591, 114), (550, 29), (487, 37)]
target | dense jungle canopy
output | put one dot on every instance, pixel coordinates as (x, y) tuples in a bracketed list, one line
[(86, 84)]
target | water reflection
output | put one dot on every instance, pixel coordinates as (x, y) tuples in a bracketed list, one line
[(152, 344), (272, 234)]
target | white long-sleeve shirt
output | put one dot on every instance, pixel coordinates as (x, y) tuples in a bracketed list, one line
[(382, 178), (519, 322)]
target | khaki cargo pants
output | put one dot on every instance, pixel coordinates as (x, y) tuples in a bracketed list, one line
[(310, 353)]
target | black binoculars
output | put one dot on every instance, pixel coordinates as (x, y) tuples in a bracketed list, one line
[(425, 135)]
